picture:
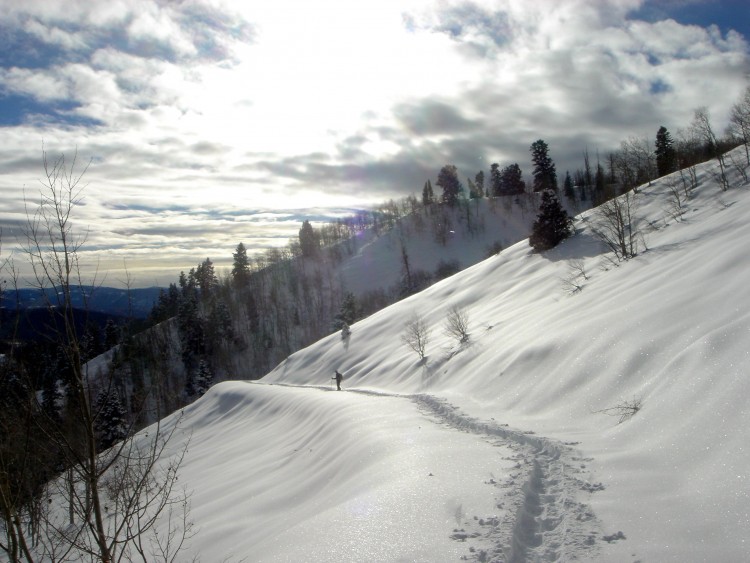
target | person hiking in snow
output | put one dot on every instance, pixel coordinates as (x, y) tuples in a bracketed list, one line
[(338, 379)]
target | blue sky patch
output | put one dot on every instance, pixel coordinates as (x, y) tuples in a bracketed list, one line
[(17, 110)]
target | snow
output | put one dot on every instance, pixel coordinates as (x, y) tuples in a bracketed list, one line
[(315, 475), (378, 263), (497, 449)]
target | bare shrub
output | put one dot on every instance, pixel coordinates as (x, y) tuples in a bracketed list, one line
[(578, 267), (625, 410), (416, 335), (703, 129), (615, 225), (572, 283), (457, 324), (739, 166), (675, 200)]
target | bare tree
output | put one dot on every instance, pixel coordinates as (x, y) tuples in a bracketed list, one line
[(457, 323), (739, 166), (688, 146), (739, 122), (416, 335), (114, 497), (702, 126), (675, 199), (138, 483), (615, 225), (634, 163)]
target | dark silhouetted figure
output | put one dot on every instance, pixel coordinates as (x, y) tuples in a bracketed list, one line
[(338, 379)]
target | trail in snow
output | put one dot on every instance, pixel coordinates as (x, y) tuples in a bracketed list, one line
[(541, 501)]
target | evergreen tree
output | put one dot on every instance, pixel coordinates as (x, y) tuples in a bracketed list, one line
[(496, 184), (599, 181), (553, 225), (111, 334), (666, 156), (204, 379), (568, 190), (479, 182), (111, 421), (190, 389), (51, 396), (166, 305), (240, 267), (346, 332), (190, 289), (347, 314), (428, 195), (511, 182), (190, 327), (545, 177), (473, 191), (223, 319), (448, 180), (205, 278), (309, 240), (182, 281)]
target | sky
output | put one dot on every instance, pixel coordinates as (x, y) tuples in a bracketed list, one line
[(502, 445), (207, 123)]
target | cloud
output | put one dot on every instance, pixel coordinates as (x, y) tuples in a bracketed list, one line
[(433, 117), (200, 119), (108, 62), (483, 32)]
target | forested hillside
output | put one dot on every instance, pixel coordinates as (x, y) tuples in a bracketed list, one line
[(209, 329)]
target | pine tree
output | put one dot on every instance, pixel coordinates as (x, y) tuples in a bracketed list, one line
[(51, 396), (347, 314), (496, 184), (240, 266), (428, 195), (111, 334), (448, 180), (473, 191), (190, 385), (665, 153), (222, 318), (346, 332), (511, 181), (479, 182), (191, 330), (112, 425), (553, 225), (568, 190), (545, 177), (599, 181), (309, 241), (205, 278), (204, 379)]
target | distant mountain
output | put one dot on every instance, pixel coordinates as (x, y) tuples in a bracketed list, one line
[(135, 303), (40, 324)]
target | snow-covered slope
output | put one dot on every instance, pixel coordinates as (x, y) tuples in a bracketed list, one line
[(464, 235), (497, 449)]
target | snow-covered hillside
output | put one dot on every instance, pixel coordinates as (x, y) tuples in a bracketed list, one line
[(465, 235), (498, 449)]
